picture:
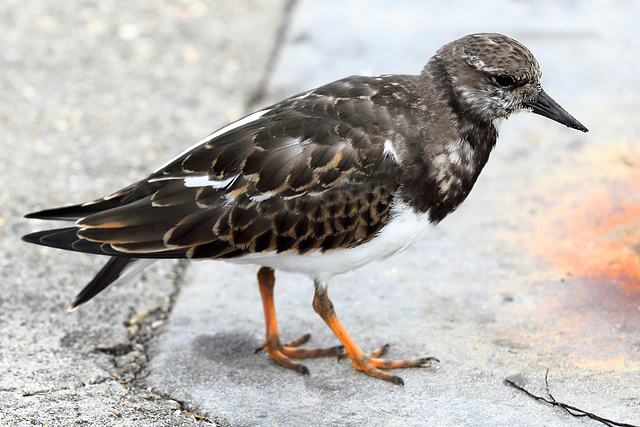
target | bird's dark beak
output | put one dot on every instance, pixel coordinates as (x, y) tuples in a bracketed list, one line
[(547, 107)]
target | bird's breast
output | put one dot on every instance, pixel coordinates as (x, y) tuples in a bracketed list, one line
[(454, 170), (405, 227)]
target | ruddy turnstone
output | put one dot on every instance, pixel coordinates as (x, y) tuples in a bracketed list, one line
[(320, 183)]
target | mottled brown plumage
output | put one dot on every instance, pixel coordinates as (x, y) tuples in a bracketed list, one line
[(320, 183), (310, 174)]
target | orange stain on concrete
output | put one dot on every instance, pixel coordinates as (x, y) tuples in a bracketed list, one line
[(621, 361), (594, 230), (589, 234)]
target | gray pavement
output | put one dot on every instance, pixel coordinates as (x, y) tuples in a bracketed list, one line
[(94, 95), (539, 269)]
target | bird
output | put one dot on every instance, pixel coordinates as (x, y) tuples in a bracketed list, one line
[(320, 183)]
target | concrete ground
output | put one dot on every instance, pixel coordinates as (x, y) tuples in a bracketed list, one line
[(538, 270)]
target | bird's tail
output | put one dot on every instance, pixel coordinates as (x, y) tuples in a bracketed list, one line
[(116, 270)]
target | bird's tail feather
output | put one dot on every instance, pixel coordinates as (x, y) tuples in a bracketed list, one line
[(116, 270), (73, 212), (67, 238), (133, 192)]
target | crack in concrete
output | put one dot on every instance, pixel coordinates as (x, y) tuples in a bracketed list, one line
[(260, 91), (56, 389), (143, 329), (131, 359), (187, 409)]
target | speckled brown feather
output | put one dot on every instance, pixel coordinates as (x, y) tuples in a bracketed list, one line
[(329, 169), (310, 174)]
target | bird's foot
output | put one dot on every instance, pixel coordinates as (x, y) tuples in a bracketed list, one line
[(371, 364), (368, 363), (380, 351), (283, 353)]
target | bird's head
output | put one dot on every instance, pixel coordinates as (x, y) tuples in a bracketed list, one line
[(493, 76)]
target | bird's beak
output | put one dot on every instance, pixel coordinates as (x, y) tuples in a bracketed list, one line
[(547, 107)]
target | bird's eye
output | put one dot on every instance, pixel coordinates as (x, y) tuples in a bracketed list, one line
[(504, 80)]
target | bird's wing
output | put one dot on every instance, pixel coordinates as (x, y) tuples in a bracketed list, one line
[(311, 173)]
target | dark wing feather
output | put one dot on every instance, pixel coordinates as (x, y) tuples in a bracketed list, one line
[(309, 174), (127, 195), (111, 272), (67, 238)]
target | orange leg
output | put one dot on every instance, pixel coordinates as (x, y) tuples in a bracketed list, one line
[(283, 353), (369, 363)]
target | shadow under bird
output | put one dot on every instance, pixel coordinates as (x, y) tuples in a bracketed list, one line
[(320, 183)]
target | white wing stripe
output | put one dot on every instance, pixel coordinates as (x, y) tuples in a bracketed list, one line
[(205, 181), (390, 151)]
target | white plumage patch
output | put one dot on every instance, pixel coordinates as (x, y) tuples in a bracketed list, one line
[(305, 95), (206, 181), (261, 197), (390, 151)]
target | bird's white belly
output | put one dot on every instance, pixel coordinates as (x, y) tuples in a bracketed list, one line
[(405, 228)]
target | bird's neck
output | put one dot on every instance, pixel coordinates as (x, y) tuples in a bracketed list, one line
[(454, 148), (437, 85)]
